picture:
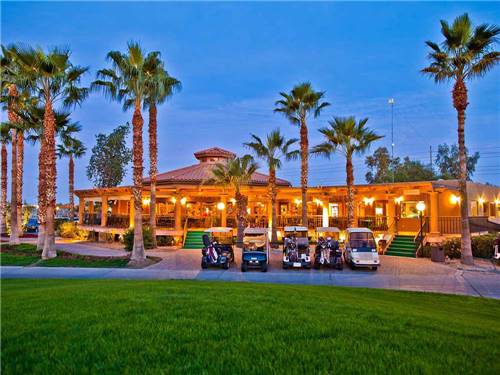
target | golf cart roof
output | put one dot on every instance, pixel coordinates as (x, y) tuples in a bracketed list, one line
[(328, 229), (256, 231), (358, 230), (219, 230), (295, 228)]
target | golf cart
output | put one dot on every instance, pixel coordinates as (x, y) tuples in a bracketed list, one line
[(217, 248), (361, 248), (296, 248), (328, 252), (255, 252)]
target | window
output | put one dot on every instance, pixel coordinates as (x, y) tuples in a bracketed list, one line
[(473, 208), (333, 209), (409, 209)]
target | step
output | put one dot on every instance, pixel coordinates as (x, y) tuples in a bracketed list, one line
[(405, 247), (396, 254)]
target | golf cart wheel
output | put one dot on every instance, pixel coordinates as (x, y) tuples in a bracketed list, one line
[(204, 264), (225, 265), (317, 265), (374, 268), (353, 266), (263, 267), (285, 266), (244, 267)]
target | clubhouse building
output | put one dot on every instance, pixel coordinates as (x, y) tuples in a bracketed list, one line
[(185, 202)]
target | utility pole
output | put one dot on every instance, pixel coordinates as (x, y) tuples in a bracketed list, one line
[(391, 103), (430, 156)]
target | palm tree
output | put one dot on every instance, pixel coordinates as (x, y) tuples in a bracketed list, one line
[(73, 149), (275, 148), (160, 86), (235, 173), (297, 106), (465, 53), (13, 119), (53, 79), (346, 135), (4, 138), (127, 82)]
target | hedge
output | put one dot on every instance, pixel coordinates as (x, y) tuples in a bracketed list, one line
[(482, 247)]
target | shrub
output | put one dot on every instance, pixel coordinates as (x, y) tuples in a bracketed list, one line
[(128, 238), (70, 230), (60, 221), (165, 241), (482, 246)]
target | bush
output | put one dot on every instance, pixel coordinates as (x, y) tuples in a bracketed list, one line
[(128, 238), (60, 221), (69, 230), (482, 246), (165, 241)]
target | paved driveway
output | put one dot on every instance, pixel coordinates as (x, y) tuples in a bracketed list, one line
[(395, 273)]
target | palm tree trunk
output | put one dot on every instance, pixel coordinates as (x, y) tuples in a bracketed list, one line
[(41, 196), (138, 253), (14, 227), (153, 167), (49, 247), (272, 195), (304, 170), (20, 170), (13, 118), (241, 215), (71, 172), (350, 191), (3, 198), (460, 104)]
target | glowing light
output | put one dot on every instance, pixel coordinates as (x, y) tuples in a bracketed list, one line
[(379, 211), (173, 200), (368, 201), (207, 210), (297, 201), (233, 201), (57, 208), (497, 202), (318, 202), (221, 206), (183, 201), (248, 210), (146, 201), (454, 199), (421, 206), (481, 200), (398, 200)]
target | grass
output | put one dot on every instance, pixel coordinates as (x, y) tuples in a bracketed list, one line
[(27, 254), (115, 326)]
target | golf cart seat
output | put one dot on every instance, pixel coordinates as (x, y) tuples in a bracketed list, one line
[(206, 240)]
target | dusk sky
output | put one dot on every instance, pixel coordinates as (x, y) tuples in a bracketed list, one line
[(234, 58)]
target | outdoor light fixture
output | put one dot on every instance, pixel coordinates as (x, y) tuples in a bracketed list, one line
[(221, 206), (421, 206), (173, 200), (146, 201), (398, 200), (248, 210), (183, 201), (454, 199), (318, 202), (481, 200), (368, 201), (233, 201), (297, 201), (497, 202)]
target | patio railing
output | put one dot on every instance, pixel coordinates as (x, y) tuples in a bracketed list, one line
[(118, 221), (373, 222), (92, 218), (449, 224)]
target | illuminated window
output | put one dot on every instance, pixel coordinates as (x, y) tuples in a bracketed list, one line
[(333, 209), (409, 209)]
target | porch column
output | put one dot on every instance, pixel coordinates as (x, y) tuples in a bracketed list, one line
[(325, 216), (356, 213), (270, 214), (104, 211), (91, 207), (131, 212), (81, 208), (223, 217), (391, 213), (178, 213), (433, 213)]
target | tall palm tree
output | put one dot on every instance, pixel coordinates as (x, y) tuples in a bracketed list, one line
[(275, 148), (297, 106), (53, 79), (71, 148), (236, 173), (127, 82), (349, 137), (160, 86), (13, 119), (4, 138), (465, 53)]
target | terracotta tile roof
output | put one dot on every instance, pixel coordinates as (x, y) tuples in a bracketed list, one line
[(214, 152)]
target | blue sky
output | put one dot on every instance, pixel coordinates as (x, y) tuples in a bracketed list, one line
[(234, 58)]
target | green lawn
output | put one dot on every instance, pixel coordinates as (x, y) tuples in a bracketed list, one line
[(112, 326), (17, 260)]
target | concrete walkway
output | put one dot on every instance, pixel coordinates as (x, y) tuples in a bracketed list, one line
[(396, 273)]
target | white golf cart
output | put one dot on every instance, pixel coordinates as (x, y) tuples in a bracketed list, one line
[(255, 253), (296, 247), (361, 248)]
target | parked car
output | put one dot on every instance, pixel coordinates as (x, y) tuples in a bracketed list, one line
[(296, 248), (361, 248), (255, 253), (32, 225)]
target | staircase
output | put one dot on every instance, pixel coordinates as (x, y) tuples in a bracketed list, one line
[(402, 246), (194, 239)]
